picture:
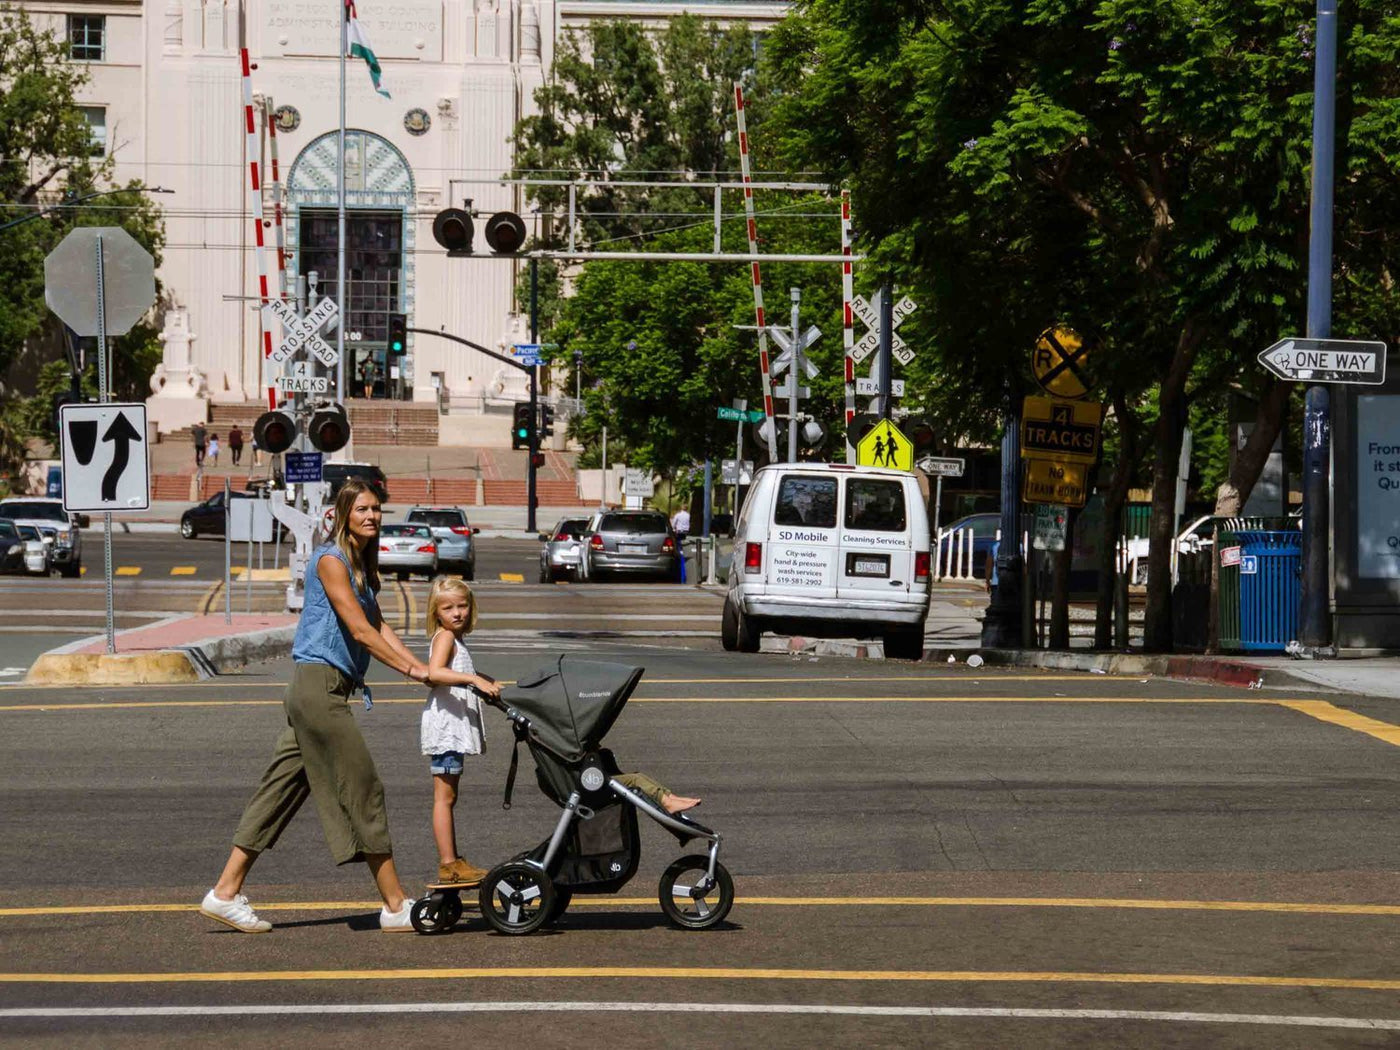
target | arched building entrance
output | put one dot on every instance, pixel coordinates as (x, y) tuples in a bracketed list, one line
[(379, 243)]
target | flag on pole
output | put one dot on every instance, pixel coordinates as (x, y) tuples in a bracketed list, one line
[(359, 48)]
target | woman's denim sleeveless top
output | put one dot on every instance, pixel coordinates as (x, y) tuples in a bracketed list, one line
[(321, 638)]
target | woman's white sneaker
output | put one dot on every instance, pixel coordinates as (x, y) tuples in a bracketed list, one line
[(237, 913), (397, 921)]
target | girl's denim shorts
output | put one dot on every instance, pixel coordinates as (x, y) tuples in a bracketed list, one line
[(449, 762)]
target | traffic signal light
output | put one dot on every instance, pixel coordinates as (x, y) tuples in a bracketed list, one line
[(452, 229), (274, 432), (537, 460), (330, 428), (546, 420), (397, 342), (522, 426)]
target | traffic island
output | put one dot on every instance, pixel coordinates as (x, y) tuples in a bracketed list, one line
[(172, 651)]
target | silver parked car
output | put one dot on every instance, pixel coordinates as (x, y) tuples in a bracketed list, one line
[(54, 523), (38, 551), (562, 550), (406, 549), (632, 542), (456, 550)]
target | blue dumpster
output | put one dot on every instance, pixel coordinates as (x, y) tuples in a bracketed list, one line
[(1270, 566)]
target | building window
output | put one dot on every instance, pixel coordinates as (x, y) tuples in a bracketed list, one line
[(97, 124), (87, 38)]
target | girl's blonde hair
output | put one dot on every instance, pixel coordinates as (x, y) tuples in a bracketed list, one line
[(445, 585), (364, 563)]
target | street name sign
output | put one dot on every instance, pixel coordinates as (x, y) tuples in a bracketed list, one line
[(1048, 481), (739, 415), (1326, 361), (1065, 431), (128, 280), (531, 355), (301, 333), (937, 466), (302, 380), (1059, 365), (885, 446), (101, 469), (301, 468)]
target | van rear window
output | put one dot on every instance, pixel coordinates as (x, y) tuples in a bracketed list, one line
[(875, 506), (807, 501)]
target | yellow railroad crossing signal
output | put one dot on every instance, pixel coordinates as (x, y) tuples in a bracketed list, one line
[(1060, 364)]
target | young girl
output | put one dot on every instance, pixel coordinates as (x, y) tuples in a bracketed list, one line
[(452, 726)]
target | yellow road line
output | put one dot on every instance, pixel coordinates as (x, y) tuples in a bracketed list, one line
[(1326, 712), (1105, 903), (127, 570), (701, 973), (183, 570), (512, 577)]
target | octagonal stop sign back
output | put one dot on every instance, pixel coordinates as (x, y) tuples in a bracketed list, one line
[(70, 279)]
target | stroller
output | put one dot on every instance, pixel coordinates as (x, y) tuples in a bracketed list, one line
[(562, 712)]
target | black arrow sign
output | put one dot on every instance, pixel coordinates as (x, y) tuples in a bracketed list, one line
[(121, 433)]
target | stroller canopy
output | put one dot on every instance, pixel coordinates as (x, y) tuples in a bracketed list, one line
[(572, 703)]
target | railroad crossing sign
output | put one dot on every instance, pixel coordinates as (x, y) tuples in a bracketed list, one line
[(783, 337), (1062, 431), (1059, 364), (101, 471), (870, 342), (870, 387), (1326, 361), (301, 332), (885, 446), (1055, 481), (128, 280), (303, 380)]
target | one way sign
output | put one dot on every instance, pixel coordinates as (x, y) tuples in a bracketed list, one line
[(106, 459)]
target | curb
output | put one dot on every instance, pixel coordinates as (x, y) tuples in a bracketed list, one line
[(200, 659), (1195, 668)]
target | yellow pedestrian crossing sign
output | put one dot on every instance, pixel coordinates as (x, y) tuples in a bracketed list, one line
[(885, 446)]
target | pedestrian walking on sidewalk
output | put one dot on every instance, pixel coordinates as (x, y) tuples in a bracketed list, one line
[(235, 444), (321, 754), (200, 435)]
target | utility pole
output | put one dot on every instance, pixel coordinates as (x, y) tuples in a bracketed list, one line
[(1001, 627), (884, 365), (794, 374), (1314, 621)]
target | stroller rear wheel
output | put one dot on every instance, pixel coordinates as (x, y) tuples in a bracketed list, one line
[(516, 898), (690, 898), (436, 913)]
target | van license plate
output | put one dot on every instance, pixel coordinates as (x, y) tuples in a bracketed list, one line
[(631, 548), (871, 565)]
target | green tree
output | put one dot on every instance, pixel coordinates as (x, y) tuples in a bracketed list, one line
[(1136, 167)]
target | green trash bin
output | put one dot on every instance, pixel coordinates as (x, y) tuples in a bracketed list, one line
[(1227, 546)]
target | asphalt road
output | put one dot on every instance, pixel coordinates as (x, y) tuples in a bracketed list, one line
[(923, 857)]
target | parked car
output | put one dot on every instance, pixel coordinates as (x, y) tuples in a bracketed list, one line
[(207, 518), (406, 549), (337, 474), (55, 524), (561, 552), (1195, 537), (11, 548), (38, 552), (632, 542), (830, 549), (453, 535), (984, 528)]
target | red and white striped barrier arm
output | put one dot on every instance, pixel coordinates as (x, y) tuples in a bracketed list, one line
[(757, 279), (255, 186), (847, 332), (271, 120)]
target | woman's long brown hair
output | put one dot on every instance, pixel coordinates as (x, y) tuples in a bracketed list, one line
[(364, 564)]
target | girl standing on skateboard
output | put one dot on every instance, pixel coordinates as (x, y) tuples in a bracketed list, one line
[(451, 725), (321, 754)]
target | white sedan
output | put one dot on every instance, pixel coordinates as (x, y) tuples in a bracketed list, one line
[(406, 549)]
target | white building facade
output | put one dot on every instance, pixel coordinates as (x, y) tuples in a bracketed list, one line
[(165, 100)]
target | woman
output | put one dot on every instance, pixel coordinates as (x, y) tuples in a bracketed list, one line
[(321, 753)]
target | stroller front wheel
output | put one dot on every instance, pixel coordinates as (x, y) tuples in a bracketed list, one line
[(436, 913), (690, 899), (516, 898)]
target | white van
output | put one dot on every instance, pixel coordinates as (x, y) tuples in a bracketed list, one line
[(834, 550)]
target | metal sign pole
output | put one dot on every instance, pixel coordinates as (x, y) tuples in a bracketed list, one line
[(228, 555), (937, 501), (794, 374), (102, 397)]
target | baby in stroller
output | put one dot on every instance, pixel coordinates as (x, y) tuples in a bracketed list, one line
[(562, 712)]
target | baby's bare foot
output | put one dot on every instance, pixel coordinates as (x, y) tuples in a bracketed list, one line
[(678, 803)]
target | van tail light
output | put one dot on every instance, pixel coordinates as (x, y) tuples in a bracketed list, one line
[(921, 565), (753, 557), (668, 546), (596, 542), (428, 548), (462, 530)]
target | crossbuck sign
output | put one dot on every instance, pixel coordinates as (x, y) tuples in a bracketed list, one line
[(870, 342), (301, 331)]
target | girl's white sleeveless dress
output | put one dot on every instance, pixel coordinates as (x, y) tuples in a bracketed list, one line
[(452, 713)]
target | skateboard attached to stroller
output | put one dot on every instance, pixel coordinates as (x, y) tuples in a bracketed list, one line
[(562, 712)]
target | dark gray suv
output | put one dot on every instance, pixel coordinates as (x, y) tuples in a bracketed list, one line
[(634, 542)]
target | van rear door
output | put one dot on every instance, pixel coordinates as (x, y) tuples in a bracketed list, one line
[(801, 554), (875, 554)]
